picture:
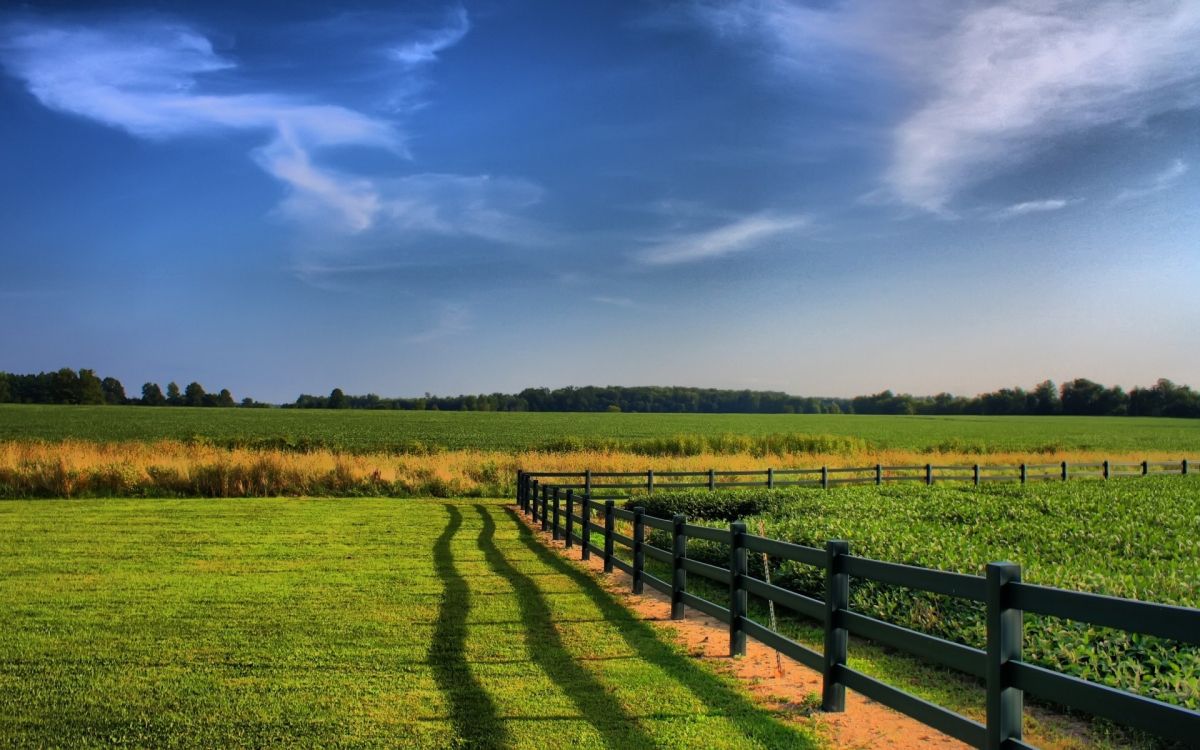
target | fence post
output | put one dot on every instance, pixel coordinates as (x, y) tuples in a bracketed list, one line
[(824, 477), (639, 547), (585, 529), (587, 482), (557, 516), (737, 593), (1064, 471), (976, 475), (533, 500), (608, 536), (928, 474), (837, 598), (1005, 703), (1145, 468), (712, 479), (678, 574), (545, 509), (1024, 474), (1184, 468), (1106, 468), (521, 490), (570, 521), (878, 474), (770, 479), (649, 480)]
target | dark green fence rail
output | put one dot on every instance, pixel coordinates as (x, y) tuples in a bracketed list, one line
[(591, 482), (579, 517)]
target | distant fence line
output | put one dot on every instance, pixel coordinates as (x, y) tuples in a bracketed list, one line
[(827, 477), (1005, 597)]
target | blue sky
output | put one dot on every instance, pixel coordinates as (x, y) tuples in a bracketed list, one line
[(824, 198)]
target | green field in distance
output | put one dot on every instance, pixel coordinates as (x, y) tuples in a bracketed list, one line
[(363, 431)]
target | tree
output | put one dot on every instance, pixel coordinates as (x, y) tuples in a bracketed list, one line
[(91, 389), (193, 395), (1082, 396), (114, 392), (224, 398), (5, 390), (174, 398), (337, 399), (1046, 398), (152, 395), (64, 387)]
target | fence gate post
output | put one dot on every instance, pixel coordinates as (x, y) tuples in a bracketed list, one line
[(1064, 471), (1184, 468), (1106, 468), (639, 547), (533, 500), (737, 591), (1024, 474), (649, 480), (712, 479), (1005, 703), (837, 640), (585, 529), (557, 516), (928, 474), (545, 509), (1145, 468), (570, 521), (608, 535), (678, 574), (770, 479), (824, 477), (587, 482), (878, 474), (976, 475), (521, 490)]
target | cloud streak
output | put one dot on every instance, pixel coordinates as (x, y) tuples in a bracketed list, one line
[(991, 83), (743, 235), (425, 49), (1033, 207), (1159, 182), (146, 78)]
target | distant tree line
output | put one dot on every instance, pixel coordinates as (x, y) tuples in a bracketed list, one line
[(1077, 397), (67, 386)]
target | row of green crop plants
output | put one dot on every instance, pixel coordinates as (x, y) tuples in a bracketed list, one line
[(1139, 540)]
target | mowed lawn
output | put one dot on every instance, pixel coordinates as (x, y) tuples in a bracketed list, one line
[(332, 623)]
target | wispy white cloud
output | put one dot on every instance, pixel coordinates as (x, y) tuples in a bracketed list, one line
[(992, 82), (426, 47), (745, 234), (145, 77), (452, 319), (1159, 182), (1033, 207), (615, 301)]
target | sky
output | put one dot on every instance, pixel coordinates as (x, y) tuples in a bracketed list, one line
[(825, 198)]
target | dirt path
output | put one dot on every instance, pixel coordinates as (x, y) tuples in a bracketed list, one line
[(864, 724)]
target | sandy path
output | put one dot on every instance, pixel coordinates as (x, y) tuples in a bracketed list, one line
[(796, 690)]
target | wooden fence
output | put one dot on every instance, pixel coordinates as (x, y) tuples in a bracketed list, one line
[(577, 518), (591, 482)]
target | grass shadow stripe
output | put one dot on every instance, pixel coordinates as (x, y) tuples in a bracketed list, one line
[(597, 706), (472, 711)]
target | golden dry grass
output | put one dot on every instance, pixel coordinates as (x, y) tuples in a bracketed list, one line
[(174, 468)]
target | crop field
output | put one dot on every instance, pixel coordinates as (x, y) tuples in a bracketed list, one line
[(1137, 539), (319, 623), (645, 434)]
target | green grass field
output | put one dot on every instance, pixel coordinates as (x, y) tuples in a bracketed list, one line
[(332, 623), (363, 431)]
